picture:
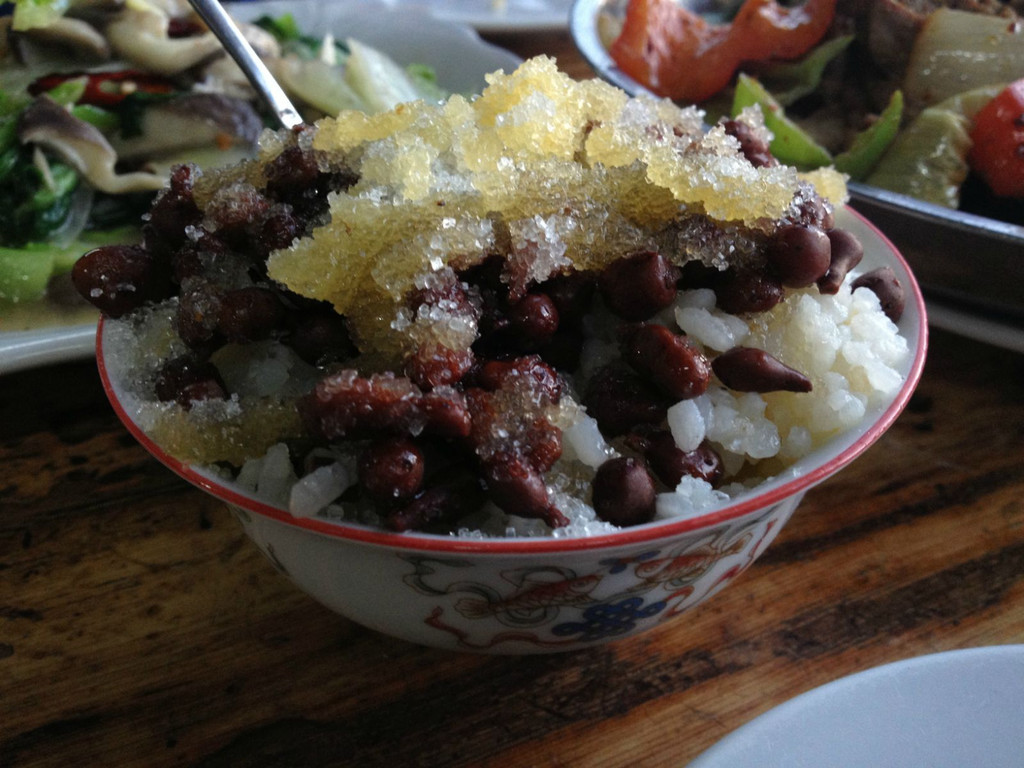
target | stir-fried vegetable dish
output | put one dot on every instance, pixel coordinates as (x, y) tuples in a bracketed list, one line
[(925, 98), (100, 98)]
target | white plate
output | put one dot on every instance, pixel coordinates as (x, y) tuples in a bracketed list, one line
[(409, 35), (491, 15), (958, 709)]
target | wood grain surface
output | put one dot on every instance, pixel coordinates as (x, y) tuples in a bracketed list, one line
[(140, 627)]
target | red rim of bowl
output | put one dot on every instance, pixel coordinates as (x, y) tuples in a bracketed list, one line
[(648, 532)]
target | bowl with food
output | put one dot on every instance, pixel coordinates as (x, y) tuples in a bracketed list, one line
[(516, 373), (99, 100), (915, 102)]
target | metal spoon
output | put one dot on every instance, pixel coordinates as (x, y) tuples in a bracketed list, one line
[(234, 42)]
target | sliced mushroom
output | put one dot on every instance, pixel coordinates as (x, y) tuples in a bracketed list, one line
[(191, 121), (141, 37), (48, 125), (80, 37)]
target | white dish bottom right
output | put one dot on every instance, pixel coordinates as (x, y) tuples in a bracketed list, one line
[(957, 709)]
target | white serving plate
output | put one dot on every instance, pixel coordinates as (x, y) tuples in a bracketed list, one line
[(494, 16), (956, 709), (456, 52)]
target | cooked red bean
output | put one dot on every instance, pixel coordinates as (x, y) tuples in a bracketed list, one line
[(173, 211), (345, 404), (445, 413), (532, 321), (753, 145), (573, 295), (637, 286), (887, 287), (747, 369), (321, 336), (624, 492), (542, 444), (564, 350), (799, 254), (119, 278), (741, 292), (435, 365), (194, 256), (391, 470), (436, 505), (187, 379), (197, 314), (519, 489), (847, 253), (278, 230), (814, 211), (673, 363), (543, 380), (671, 463), (249, 314), (620, 400)]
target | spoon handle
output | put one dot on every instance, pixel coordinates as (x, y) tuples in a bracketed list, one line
[(222, 25)]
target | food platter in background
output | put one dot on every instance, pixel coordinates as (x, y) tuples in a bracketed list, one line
[(37, 335), (970, 267)]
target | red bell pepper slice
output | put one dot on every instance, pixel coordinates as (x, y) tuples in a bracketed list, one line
[(678, 54)]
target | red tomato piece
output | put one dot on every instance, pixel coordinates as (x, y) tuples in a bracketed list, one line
[(678, 54), (997, 152)]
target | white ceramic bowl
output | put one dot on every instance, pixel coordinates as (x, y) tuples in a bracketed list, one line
[(541, 595)]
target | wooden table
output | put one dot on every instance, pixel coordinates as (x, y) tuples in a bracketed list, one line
[(139, 627)]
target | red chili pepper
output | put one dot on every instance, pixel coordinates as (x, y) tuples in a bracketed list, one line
[(106, 89), (997, 154), (679, 54)]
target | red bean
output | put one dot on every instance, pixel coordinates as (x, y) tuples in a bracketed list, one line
[(445, 413), (533, 321), (638, 286), (442, 503), (249, 314), (620, 400), (887, 287), (747, 369), (186, 380), (345, 404), (671, 463), (799, 255), (320, 336), (673, 363), (847, 253), (542, 379), (623, 492), (542, 444), (754, 146), (435, 365), (573, 295), (117, 279), (172, 212), (391, 470), (519, 489), (745, 291), (197, 314)]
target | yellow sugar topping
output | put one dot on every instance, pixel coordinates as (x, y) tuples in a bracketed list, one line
[(562, 172)]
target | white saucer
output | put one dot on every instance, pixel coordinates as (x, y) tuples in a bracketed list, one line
[(958, 709)]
